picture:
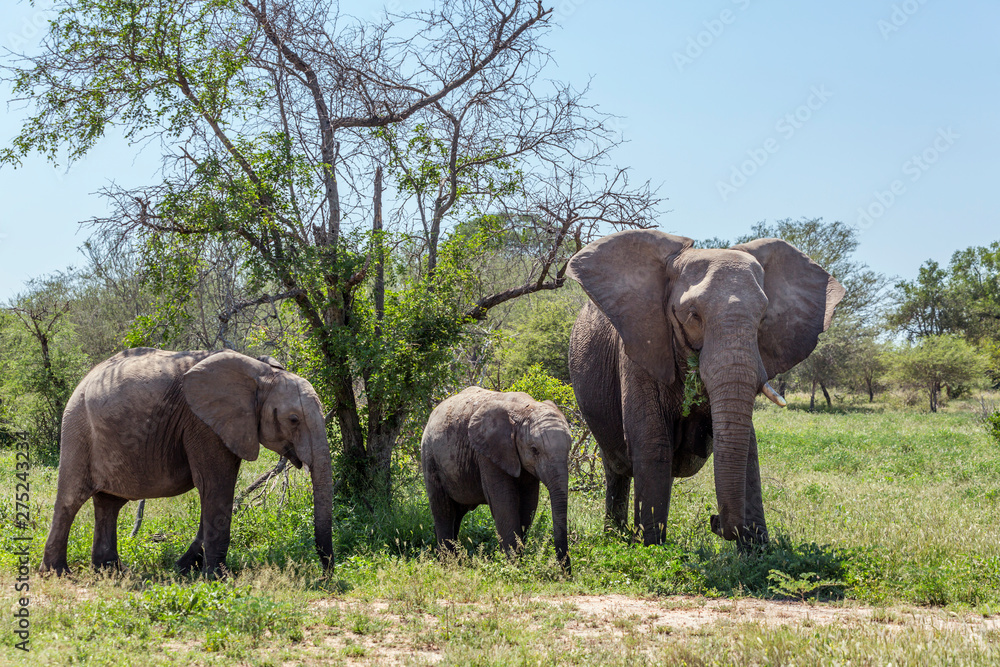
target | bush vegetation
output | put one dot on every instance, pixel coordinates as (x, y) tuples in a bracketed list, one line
[(879, 504)]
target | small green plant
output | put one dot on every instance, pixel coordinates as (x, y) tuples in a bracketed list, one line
[(990, 417), (215, 640), (801, 586), (694, 388)]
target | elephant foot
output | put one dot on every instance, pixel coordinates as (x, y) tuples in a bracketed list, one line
[(59, 569), (218, 573), (190, 562), (109, 565), (619, 528)]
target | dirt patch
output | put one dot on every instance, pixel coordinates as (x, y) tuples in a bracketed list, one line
[(393, 632), (693, 613)]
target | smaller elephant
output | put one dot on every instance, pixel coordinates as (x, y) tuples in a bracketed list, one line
[(151, 424), (491, 447)]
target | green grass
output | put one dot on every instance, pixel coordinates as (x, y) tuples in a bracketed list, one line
[(891, 508)]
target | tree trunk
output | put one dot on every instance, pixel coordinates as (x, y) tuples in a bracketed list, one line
[(812, 398), (826, 395), (382, 435), (379, 288)]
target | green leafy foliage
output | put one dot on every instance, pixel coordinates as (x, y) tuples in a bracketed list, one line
[(694, 388), (543, 387), (221, 606), (937, 361), (991, 422), (41, 363), (540, 338)]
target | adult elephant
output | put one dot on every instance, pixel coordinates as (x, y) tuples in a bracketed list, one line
[(151, 423), (745, 313), (482, 446)]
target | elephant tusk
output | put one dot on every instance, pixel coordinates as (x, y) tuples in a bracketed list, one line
[(775, 397)]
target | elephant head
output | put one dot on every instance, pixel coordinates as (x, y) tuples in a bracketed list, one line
[(248, 402), (749, 312), (534, 437)]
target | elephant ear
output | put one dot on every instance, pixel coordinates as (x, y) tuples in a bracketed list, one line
[(491, 434), (271, 361), (801, 300), (221, 390), (626, 274)]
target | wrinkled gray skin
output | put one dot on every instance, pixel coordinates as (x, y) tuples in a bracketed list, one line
[(483, 446), (749, 312), (151, 424)]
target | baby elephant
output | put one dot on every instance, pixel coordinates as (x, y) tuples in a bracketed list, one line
[(151, 424), (492, 447)]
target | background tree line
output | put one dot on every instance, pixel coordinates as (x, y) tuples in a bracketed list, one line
[(921, 341)]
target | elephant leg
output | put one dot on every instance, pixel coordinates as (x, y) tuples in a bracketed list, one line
[(104, 552), (649, 439), (69, 499), (653, 480), (504, 498), (617, 487), (194, 557), (217, 513), (528, 503), (217, 491), (448, 517), (756, 528)]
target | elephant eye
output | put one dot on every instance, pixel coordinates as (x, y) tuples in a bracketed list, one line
[(293, 418), (534, 450)]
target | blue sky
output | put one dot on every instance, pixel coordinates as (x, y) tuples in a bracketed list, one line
[(882, 114)]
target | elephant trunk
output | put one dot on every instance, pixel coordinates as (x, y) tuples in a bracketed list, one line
[(322, 483), (558, 496), (732, 372)]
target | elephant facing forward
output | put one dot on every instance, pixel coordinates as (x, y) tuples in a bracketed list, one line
[(151, 423), (483, 446), (746, 313)]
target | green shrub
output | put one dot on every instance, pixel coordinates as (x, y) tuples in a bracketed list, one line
[(543, 387), (992, 424)]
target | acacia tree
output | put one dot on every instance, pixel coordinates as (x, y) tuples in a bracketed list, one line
[(40, 365), (927, 306), (274, 117), (937, 361)]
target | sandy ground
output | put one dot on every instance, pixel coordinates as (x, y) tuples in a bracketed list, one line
[(604, 616)]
